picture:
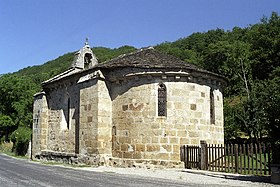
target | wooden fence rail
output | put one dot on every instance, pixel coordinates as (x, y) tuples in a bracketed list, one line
[(233, 158)]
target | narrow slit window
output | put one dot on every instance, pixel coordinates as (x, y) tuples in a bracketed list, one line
[(162, 100), (68, 114), (65, 116), (212, 107)]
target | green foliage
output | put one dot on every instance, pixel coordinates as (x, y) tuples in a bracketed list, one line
[(6, 123), (20, 139), (191, 49), (268, 93), (231, 128), (44, 72), (230, 59), (16, 103), (41, 73), (252, 119), (249, 57), (17, 90), (265, 41), (104, 54)]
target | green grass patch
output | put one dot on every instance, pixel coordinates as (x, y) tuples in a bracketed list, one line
[(253, 164), (7, 148)]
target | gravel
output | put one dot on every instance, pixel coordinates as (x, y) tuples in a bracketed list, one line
[(191, 176)]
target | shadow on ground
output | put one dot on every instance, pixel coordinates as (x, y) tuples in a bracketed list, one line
[(264, 179)]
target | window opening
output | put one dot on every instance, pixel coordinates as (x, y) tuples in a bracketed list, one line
[(212, 107), (87, 60), (114, 131), (162, 100), (68, 114), (36, 119)]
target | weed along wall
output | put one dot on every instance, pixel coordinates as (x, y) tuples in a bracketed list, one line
[(136, 109)]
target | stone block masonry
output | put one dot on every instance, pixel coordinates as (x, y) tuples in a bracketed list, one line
[(133, 111), (141, 134)]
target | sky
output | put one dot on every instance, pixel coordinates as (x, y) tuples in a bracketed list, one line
[(33, 32)]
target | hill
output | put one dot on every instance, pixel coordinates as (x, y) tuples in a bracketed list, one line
[(249, 57), (43, 72)]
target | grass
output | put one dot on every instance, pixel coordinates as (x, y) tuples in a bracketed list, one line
[(253, 162), (7, 147), (246, 167)]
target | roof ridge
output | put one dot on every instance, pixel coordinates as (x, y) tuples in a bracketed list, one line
[(131, 53), (148, 57)]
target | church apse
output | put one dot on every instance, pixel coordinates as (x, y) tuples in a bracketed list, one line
[(138, 108)]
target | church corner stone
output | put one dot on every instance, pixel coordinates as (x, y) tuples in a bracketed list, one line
[(120, 114)]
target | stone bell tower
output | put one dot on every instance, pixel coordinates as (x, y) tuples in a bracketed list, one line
[(84, 58)]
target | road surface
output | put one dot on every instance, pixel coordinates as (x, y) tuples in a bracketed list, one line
[(23, 173)]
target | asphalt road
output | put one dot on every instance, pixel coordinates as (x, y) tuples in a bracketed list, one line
[(23, 173)]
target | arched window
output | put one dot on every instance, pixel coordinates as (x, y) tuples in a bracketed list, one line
[(161, 100), (212, 107), (87, 60)]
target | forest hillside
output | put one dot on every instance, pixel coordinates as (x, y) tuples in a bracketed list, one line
[(249, 57)]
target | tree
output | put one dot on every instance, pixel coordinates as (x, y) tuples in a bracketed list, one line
[(231, 127), (6, 125), (252, 118), (269, 95), (16, 102), (231, 59), (265, 46), (20, 139), (249, 57)]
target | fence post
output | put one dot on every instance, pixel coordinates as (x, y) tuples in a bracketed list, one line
[(186, 153), (204, 155), (182, 152), (236, 157)]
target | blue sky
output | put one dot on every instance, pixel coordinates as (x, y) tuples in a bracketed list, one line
[(33, 32)]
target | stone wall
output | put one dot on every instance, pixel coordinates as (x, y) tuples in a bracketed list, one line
[(95, 118), (88, 118), (40, 124), (112, 118), (63, 107), (138, 133), (104, 119)]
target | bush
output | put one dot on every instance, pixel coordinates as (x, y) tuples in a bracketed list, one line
[(21, 138)]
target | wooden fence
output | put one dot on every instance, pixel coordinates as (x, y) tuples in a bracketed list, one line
[(233, 158), (190, 154)]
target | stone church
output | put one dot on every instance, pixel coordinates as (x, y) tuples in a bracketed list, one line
[(138, 108)]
